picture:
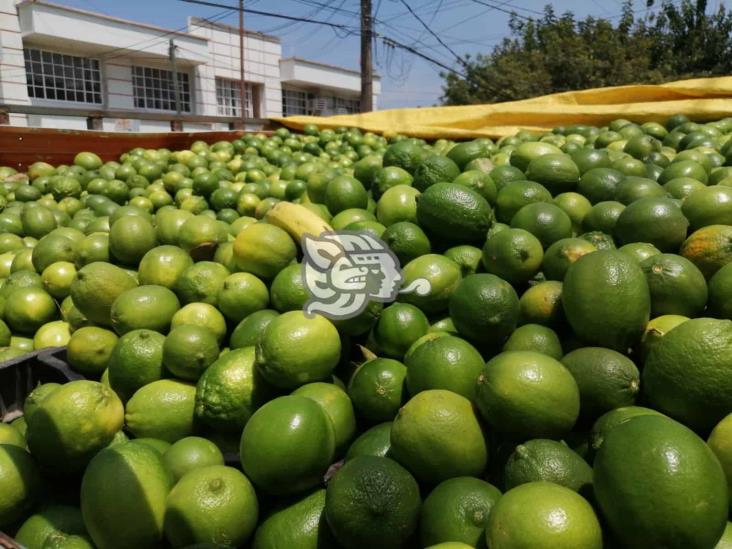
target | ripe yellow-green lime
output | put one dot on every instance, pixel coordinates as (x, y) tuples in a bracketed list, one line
[(188, 350), (263, 250), (436, 436), (191, 453), (295, 349), (162, 409), (21, 483), (89, 350), (213, 505), (543, 515)]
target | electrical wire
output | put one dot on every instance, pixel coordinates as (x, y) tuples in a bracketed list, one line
[(433, 33)]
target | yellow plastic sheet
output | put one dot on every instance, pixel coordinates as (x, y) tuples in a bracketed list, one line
[(699, 99)]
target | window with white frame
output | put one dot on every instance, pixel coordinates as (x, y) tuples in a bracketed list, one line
[(295, 102), (154, 89), (62, 77), (347, 106), (228, 99)]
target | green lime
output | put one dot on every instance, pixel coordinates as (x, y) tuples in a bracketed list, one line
[(214, 505), (517, 194), (372, 502), (535, 337), (27, 309), (525, 394), (163, 266), (448, 362), (377, 389), (435, 169), (443, 276), (191, 453), (144, 307), (188, 350), (295, 349), (201, 314), (457, 510), (288, 289), (375, 441), (436, 435), (48, 522), (677, 286), (263, 250), (162, 409), (287, 445), (543, 515), (135, 360), (513, 254), (246, 333), (57, 278), (73, 423), (201, 282), (548, 460), (407, 240), (337, 405), (96, 287), (114, 484), (652, 455), (21, 483), (130, 238), (52, 334), (397, 204), (454, 213), (658, 221), (398, 327), (484, 309)]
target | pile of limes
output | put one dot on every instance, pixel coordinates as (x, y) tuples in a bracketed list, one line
[(563, 378)]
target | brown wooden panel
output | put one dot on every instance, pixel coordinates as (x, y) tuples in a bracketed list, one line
[(20, 147)]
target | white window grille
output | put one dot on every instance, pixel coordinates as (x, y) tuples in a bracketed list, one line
[(62, 77), (228, 99), (294, 102), (153, 89), (347, 106)]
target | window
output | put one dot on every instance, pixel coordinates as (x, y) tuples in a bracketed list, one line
[(347, 106), (228, 99), (153, 89), (62, 77), (295, 102)]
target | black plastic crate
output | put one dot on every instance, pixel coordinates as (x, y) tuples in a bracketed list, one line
[(19, 376)]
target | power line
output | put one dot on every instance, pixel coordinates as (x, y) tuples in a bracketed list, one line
[(433, 33)]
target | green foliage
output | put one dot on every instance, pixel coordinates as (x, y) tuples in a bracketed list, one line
[(556, 53)]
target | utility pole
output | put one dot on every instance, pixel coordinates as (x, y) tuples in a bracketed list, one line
[(177, 125), (242, 94), (367, 68)]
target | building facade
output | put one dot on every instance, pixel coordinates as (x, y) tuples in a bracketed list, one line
[(62, 67)]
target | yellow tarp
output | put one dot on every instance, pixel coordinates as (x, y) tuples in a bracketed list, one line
[(699, 99)]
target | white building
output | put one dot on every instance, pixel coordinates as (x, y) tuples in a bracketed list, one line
[(62, 67)]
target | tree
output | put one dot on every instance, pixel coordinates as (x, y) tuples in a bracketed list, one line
[(560, 53)]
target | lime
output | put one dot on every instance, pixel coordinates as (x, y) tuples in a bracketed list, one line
[(720, 293), (436, 435), (200, 230), (407, 240), (201, 282), (535, 337), (399, 203), (468, 257), (398, 327), (443, 276), (517, 194), (448, 362), (130, 238), (96, 287), (27, 309), (230, 390), (457, 510), (575, 206), (162, 409), (52, 334), (708, 248), (514, 255), (543, 515), (548, 460), (263, 250), (241, 295), (114, 484), (677, 286), (201, 314), (144, 307), (562, 254), (57, 278), (484, 309), (525, 394), (213, 505), (163, 266), (435, 169), (73, 423), (287, 445), (377, 389), (135, 360), (21, 483), (191, 453), (372, 502), (297, 524), (294, 350), (246, 333), (288, 289), (658, 221), (606, 379), (372, 442), (454, 212), (337, 405), (188, 350), (652, 456), (50, 521)]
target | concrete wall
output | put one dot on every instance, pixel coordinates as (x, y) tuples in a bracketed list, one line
[(59, 122), (261, 66), (13, 88)]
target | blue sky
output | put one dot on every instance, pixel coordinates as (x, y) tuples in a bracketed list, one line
[(466, 26)]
